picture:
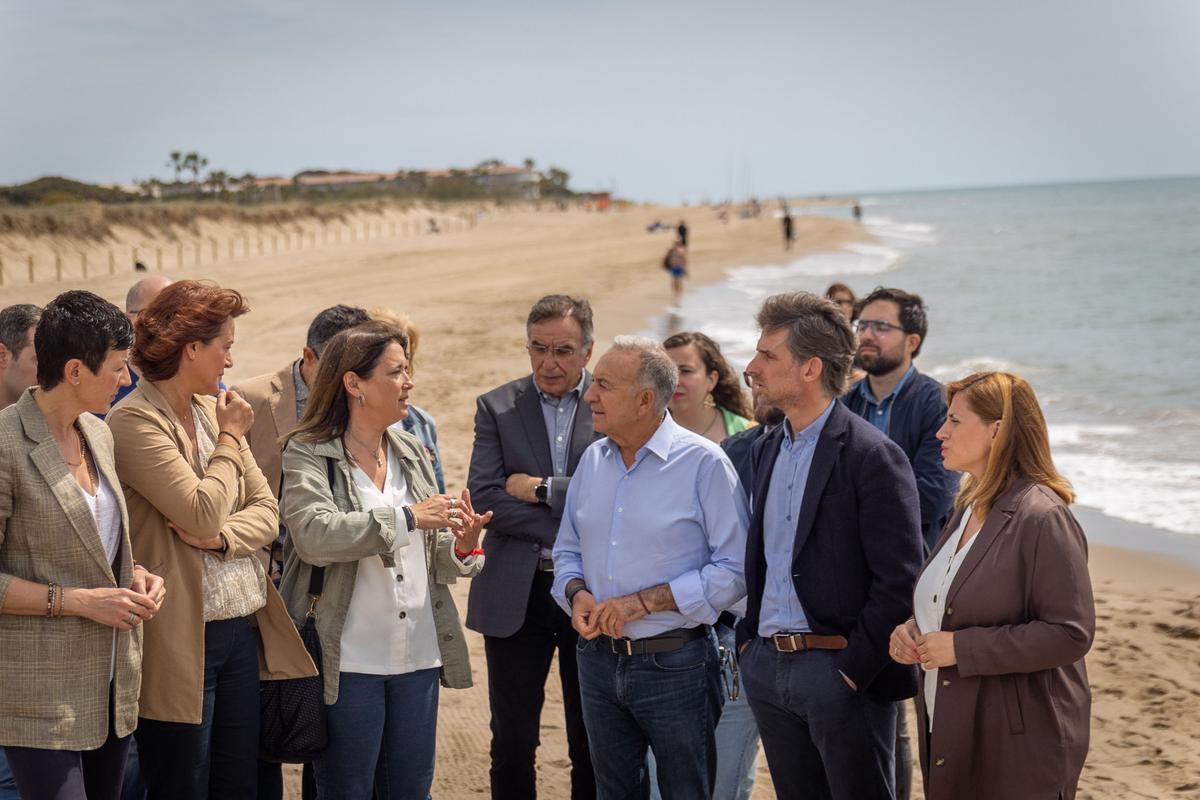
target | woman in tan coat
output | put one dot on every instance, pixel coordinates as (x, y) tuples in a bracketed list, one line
[(72, 600), (1003, 610), (200, 511)]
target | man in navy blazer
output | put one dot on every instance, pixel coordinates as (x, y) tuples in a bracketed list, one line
[(832, 555), (529, 435)]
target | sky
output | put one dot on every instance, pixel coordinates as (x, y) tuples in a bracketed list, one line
[(659, 101)]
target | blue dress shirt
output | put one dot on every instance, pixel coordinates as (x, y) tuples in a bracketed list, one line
[(781, 610), (677, 516), (558, 413), (879, 412)]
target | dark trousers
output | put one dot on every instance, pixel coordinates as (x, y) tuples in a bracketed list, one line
[(42, 774), (517, 669), (904, 753), (217, 758), (668, 703), (823, 740)]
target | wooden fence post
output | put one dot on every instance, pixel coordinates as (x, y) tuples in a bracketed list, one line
[(196, 247), (260, 244), (230, 248), (83, 263), (57, 266), (133, 251), (31, 268), (213, 242), (158, 258), (179, 255), (112, 262)]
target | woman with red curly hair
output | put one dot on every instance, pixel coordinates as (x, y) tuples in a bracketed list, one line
[(200, 510)]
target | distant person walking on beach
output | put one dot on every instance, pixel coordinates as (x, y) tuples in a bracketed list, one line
[(649, 553), (789, 232), (1003, 610), (909, 408), (682, 232), (857, 209), (675, 262), (834, 548)]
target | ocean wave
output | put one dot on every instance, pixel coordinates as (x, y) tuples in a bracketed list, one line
[(856, 259), (945, 373), (1165, 495), (901, 233)]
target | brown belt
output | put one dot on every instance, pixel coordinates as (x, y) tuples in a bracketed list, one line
[(799, 642)]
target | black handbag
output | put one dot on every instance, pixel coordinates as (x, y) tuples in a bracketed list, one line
[(292, 727)]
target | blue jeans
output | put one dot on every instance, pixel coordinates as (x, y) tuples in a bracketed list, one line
[(217, 758), (382, 738), (669, 702), (737, 740), (822, 738), (8, 787)]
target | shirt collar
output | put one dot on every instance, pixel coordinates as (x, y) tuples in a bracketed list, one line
[(811, 431), (298, 379), (865, 387), (545, 398), (659, 444)]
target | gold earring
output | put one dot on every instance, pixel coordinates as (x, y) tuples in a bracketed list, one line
[(362, 401), (710, 401)]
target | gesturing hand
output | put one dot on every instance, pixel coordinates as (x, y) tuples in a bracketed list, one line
[(470, 524)]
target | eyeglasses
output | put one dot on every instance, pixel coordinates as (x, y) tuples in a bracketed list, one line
[(877, 326), (561, 352), (749, 380)]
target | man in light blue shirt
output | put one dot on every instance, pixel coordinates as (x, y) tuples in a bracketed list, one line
[(650, 551)]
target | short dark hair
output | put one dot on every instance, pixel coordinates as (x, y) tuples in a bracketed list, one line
[(912, 311), (561, 306), (78, 324), (816, 329), (331, 322), (15, 322)]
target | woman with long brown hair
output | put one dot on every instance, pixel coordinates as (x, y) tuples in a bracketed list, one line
[(200, 510), (359, 500), (1003, 610), (708, 399)]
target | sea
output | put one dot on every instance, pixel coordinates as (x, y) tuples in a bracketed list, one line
[(1090, 291)]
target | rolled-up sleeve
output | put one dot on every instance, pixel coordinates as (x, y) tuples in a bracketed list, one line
[(702, 594)]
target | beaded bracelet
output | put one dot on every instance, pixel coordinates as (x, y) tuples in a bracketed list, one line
[(62, 601), (50, 599)]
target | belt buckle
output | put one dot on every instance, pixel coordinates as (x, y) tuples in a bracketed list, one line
[(625, 650), (790, 638)]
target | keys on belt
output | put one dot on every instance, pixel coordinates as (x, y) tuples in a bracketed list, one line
[(799, 642)]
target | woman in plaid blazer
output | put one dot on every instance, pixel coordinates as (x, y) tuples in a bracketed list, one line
[(71, 598)]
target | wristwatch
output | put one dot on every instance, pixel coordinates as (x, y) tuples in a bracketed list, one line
[(542, 491)]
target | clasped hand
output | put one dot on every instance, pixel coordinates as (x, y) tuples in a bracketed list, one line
[(590, 619), (932, 650)]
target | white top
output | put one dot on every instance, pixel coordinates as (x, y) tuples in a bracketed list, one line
[(389, 627), (929, 599), (106, 512)]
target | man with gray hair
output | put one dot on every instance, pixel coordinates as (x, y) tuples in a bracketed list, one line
[(833, 553), (529, 435), (650, 552), (18, 359), (140, 295)]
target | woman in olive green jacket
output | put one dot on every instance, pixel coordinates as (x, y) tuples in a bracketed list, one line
[(359, 501)]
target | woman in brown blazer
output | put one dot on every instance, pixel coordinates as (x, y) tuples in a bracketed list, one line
[(201, 510), (72, 600), (1003, 610)]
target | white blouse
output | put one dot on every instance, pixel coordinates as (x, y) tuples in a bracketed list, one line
[(389, 627), (107, 514), (929, 599)]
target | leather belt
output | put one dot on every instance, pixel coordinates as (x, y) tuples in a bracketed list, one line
[(545, 565), (663, 643), (799, 642)]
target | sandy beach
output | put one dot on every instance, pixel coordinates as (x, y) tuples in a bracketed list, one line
[(469, 291)]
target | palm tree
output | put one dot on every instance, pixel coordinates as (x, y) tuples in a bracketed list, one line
[(195, 163), (176, 163)]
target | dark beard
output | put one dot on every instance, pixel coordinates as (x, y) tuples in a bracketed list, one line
[(877, 365)]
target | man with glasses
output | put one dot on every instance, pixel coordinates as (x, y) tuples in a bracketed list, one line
[(529, 435), (908, 407)]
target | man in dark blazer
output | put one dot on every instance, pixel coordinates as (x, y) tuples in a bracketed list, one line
[(832, 556), (529, 435)]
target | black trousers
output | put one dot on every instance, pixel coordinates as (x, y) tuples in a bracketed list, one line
[(517, 669), (43, 774)]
